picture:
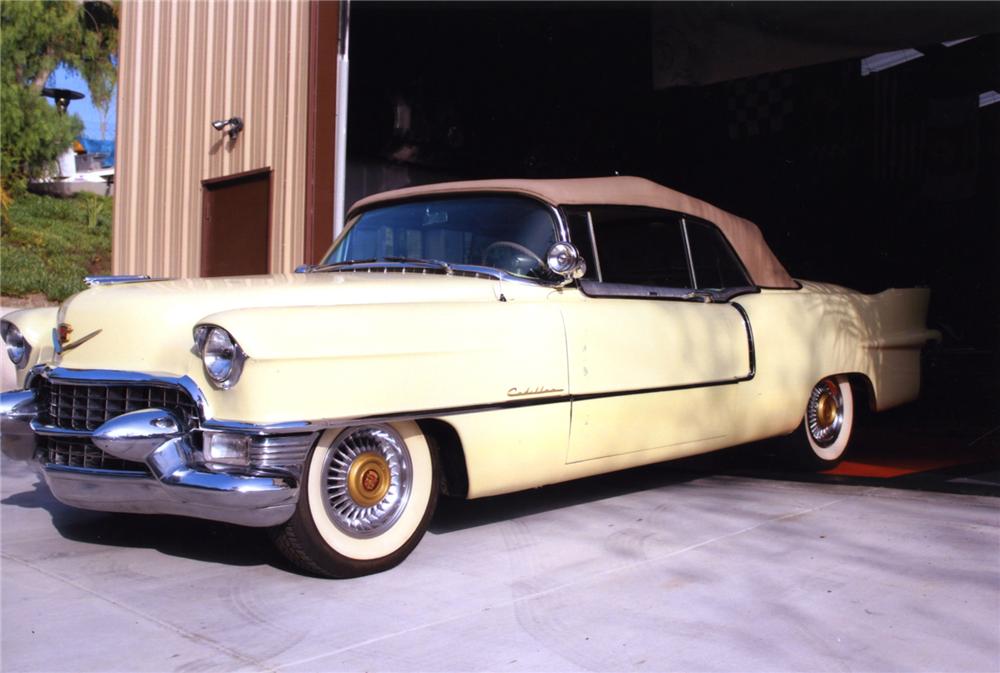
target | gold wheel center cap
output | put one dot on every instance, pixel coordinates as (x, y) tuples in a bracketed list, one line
[(826, 410), (368, 479)]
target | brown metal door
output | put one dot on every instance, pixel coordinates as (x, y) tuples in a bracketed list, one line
[(236, 224)]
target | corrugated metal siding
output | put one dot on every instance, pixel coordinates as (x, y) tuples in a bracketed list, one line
[(182, 65)]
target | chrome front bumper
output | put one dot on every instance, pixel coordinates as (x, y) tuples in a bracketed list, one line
[(175, 483)]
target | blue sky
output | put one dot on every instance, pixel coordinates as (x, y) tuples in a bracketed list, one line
[(64, 78)]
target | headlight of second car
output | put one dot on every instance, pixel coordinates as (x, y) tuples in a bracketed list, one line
[(18, 348), (222, 356)]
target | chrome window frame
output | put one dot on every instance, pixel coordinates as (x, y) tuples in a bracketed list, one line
[(560, 226), (725, 242), (667, 292)]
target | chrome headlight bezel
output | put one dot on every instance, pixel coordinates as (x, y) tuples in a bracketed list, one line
[(18, 348), (221, 355)]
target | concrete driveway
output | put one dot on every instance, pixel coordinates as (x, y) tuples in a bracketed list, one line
[(653, 569)]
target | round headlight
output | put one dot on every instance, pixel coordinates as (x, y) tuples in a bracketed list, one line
[(222, 356), (18, 348)]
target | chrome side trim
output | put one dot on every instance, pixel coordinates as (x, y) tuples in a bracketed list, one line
[(345, 421), (260, 429)]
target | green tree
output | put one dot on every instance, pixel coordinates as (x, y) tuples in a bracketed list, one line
[(35, 38)]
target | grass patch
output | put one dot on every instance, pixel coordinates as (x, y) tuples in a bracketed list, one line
[(48, 244)]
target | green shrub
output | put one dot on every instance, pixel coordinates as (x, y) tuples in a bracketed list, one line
[(50, 244), (95, 207)]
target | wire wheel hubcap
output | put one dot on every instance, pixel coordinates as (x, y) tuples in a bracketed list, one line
[(825, 413), (368, 480)]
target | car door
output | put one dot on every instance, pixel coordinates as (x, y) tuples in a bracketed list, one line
[(653, 352)]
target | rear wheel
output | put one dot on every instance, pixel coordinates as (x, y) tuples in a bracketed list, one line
[(823, 436), (368, 494)]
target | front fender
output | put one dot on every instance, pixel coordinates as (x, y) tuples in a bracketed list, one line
[(360, 360), (36, 324)]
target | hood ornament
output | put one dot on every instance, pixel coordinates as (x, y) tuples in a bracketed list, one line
[(60, 338)]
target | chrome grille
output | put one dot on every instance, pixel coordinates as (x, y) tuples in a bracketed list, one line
[(81, 453), (82, 406), (86, 406)]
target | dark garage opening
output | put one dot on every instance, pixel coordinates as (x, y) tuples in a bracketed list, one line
[(870, 173)]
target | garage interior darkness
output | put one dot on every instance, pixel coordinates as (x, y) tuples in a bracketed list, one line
[(867, 172)]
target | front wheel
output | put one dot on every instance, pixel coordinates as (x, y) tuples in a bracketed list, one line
[(368, 494), (822, 438)]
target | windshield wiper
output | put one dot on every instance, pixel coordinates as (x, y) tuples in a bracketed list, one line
[(333, 266), (425, 262), (433, 263)]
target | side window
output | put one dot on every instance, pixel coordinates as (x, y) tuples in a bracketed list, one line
[(715, 264), (640, 246)]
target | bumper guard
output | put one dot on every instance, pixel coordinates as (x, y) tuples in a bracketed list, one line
[(175, 484)]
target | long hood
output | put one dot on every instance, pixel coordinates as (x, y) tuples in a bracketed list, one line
[(148, 326), (347, 338)]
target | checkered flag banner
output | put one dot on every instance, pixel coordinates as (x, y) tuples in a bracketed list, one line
[(759, 106)]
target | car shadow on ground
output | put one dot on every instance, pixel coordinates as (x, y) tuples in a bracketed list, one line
[(927, 446), (457, 514), (184, 537), (214, 542)]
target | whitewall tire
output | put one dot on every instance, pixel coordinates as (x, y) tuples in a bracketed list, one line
[(366, 497), (826, 427)]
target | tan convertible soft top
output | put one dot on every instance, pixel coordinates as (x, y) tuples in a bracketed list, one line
[(745, 237)]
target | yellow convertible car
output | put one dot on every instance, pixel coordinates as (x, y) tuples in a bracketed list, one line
[(470, 339)]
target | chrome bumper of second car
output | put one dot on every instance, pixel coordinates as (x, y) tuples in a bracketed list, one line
[(17, 410), (158, 468)]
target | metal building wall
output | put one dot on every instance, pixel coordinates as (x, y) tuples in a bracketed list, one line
[(182, 65)]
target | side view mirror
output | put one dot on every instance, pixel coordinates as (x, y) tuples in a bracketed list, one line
[(563, 259)]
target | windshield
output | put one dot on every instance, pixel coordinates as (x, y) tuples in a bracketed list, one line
[(510, 233)]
